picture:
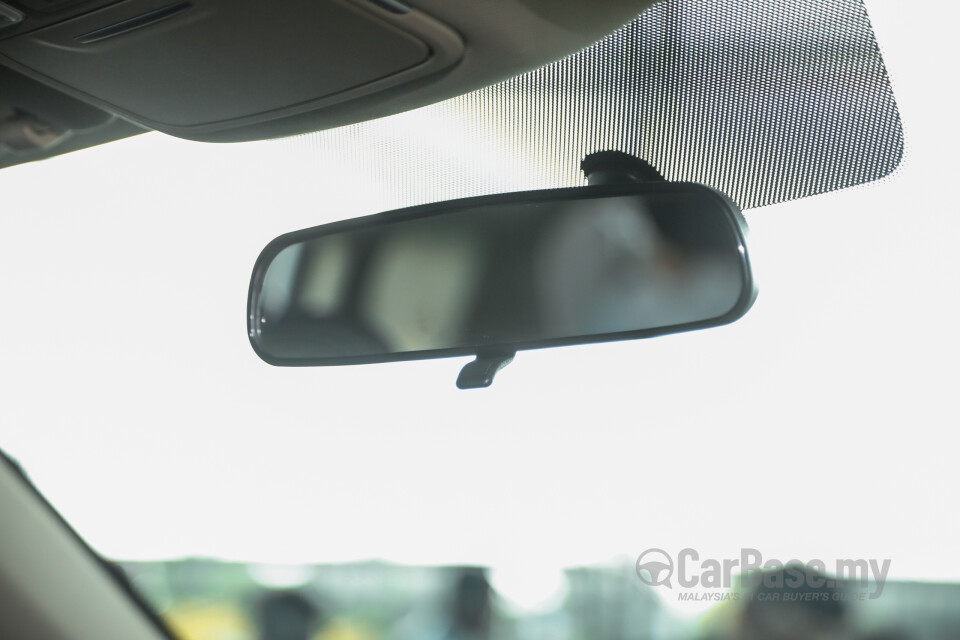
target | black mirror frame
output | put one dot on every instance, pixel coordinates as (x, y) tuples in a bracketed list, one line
[(737, 225)]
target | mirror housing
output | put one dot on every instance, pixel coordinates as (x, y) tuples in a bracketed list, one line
[(491, 275)]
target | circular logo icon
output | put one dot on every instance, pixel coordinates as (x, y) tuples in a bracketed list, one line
[(655, 567)]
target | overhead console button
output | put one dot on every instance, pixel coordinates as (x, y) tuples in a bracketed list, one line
[(49, 6)]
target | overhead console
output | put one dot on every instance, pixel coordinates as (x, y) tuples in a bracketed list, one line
[(215, 64), (226, 70)]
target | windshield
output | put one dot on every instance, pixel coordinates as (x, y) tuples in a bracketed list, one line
[(812, 429)]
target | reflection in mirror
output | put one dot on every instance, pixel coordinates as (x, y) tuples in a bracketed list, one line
[(503, 273)]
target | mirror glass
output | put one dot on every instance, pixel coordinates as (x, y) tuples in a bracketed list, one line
[(491, 272)]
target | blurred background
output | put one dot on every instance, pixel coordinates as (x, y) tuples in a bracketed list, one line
[(211, 600)]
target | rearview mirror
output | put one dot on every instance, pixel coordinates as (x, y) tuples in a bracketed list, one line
[(492, 275)]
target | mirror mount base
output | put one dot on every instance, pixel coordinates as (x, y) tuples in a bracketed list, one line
[(617, 167), (480, 373)]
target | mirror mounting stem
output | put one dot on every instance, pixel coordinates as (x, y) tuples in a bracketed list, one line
[(479, 373), (617, 167)]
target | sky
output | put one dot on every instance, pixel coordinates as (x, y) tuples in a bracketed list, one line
[(818, 426)]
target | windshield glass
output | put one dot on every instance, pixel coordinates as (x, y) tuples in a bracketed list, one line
[(811, 430)]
